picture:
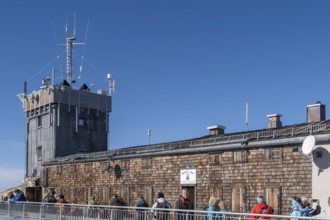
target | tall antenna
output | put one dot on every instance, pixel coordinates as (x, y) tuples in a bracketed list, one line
[(83, 53), (66, 26), (149, 134), (69, 53), (247, 115), (74, 24)]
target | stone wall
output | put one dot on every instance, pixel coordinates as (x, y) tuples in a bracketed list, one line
[(281, 173)]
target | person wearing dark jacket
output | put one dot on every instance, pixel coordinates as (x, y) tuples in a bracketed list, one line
[(141, 204), (19, 196), (183, 203), (261, 208)]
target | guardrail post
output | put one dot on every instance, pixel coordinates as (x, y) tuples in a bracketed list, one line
[(40, 208), (8, 209), (23, 210)]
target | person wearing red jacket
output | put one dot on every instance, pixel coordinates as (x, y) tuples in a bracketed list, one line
[(261, 208)]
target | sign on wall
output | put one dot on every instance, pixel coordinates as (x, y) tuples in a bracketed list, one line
[(188, 176)]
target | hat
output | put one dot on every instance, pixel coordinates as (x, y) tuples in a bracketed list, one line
[(160, 195), (261, 199)]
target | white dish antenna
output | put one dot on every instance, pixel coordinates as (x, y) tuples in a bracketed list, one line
[(308, 145)]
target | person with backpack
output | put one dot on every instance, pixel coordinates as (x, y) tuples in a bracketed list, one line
[(183, 203), (261, 208), (161, 203), (213, 207), (142, 204), (50, 197)]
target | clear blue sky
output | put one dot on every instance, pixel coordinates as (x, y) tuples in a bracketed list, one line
[(180, 66)]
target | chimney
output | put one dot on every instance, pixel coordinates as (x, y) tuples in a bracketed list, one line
[(274, 121), (216, 129), (316, 112)]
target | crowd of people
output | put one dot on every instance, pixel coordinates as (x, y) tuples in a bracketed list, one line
[(14, 196), (161, 209)]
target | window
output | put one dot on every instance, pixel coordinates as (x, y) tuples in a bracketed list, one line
[(58, 169), (238, 199), (39, 121), (81, 122), (216, 191), (73, 195), (105, 166), (273, 154), (125, 194), (72, 168), (44, 177), (88, 193), (215, 159), (273, 198), (146, 162), (88, 168), (240, 156), (105, 195), (125, 164), (147, 195), (39, 152)]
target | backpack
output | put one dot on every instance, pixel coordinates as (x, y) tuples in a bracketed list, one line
[(162, 214), (45, 200)]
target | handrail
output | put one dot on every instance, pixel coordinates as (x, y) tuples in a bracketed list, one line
[(36, 210)]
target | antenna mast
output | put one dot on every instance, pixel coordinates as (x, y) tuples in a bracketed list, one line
[(69, 59), (112, 84), (69, 53), (247, 115)]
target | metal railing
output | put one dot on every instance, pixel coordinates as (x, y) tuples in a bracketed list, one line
[(93, 212), (226, 139)]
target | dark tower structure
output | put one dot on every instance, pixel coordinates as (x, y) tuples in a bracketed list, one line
[(62, 120)]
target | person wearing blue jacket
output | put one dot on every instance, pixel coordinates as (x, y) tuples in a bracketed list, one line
[(19, 196), (297, 208)]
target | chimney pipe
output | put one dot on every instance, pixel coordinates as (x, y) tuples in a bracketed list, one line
[(216, 129), (316, 112), (274, 121)]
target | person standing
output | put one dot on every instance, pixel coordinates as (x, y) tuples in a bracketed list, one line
[(261, 208), (183, 203), (141, 204), (213, 207), (161, 203), (19, 196)]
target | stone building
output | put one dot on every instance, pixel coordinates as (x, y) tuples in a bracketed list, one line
[(235, 167), (66, 149)]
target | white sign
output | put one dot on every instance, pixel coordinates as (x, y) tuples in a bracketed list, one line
[(188, 176)]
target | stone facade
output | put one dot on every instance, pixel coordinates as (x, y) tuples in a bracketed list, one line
[(237, 177)]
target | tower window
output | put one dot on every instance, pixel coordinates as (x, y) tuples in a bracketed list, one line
[(81, 122), (39, 121), (38, 152)]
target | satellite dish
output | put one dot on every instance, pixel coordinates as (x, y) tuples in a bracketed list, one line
[(308, 145)]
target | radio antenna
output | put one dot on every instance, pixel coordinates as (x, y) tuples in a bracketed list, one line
[(247, 115), (74, 24), (69, 53)]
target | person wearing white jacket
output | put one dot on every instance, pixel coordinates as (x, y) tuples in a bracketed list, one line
[(161, 203)]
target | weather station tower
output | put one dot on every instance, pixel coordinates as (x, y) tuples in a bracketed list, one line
[(62, 120)]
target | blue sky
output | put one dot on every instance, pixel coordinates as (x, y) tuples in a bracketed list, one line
[(179, 66)]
